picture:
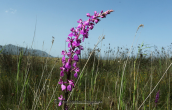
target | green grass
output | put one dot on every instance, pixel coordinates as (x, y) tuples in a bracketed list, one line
[(119, 81)]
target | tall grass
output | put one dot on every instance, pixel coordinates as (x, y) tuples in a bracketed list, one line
[(120, 81)]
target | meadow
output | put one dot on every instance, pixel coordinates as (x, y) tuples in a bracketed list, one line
[(116, 80)]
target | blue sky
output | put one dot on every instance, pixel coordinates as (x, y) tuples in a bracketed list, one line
[(56, 18)]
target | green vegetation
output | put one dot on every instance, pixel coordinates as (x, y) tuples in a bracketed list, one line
[(119, 81)]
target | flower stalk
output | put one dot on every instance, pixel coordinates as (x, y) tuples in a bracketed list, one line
[(73, 52)]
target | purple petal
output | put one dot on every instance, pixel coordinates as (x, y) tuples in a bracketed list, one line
[(69, 87), (62, 73), (75, 75), (72, 29), (77, 69), (63, 52), (88, 15), (76, 58), (61, 97), (78, 52), (74, 64), (63, 87), (71, 34), (68, 66), (60, 103)]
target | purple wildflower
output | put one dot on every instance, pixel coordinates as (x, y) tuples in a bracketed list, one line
[(73, 54), (157, 98)]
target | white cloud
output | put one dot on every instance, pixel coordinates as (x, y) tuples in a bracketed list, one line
[(13, 11)]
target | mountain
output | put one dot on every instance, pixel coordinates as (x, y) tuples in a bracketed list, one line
[(15, 50)]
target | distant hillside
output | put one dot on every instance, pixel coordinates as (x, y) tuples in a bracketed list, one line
[(14, 50)]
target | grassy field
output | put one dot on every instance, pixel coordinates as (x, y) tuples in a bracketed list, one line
[(117, 81)]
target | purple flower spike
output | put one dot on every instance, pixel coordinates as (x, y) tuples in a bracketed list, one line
[(157, 98), (75, 50)]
